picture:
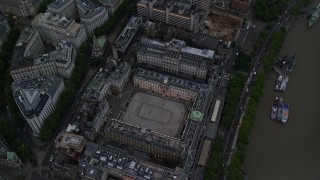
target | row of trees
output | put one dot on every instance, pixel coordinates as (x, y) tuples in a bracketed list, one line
[(43, 6), (235, 169), (125, 8), (67, 96), (235, 89), (267, 10), (215, 161), (8, 125)]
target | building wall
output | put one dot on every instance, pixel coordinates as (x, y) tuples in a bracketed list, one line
[(165, 90), (4, 31), (190, 22)]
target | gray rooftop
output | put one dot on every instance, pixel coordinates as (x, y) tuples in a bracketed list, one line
[(62, 54), (32, 95), (88, 8), (158, 48), (98, 157), (128, 33)]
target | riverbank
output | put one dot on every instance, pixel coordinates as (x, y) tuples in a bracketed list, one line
[(290, 151)]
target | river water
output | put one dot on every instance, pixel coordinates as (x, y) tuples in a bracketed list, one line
[(291, 151)]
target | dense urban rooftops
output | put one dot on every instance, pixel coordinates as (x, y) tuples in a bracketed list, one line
[(88, 9)]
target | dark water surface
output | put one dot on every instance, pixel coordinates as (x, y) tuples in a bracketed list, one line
[(291, 151)]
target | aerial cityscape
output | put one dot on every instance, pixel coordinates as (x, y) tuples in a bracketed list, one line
[(159, 89)]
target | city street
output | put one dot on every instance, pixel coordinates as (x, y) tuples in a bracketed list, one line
[(231, 136)]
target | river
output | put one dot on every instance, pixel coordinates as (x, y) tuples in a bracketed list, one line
[(291, 151)]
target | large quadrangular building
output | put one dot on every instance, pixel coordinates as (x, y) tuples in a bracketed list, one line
[(177, 13), (91, 14), (4, 29), (54, 28), (175, 57), (22, 8), (36, 99), (65, 7)]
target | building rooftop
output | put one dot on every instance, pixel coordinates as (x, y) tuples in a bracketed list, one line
[(67, 140), (32, 95), (128, 33), (62, 54), (170, 80), (53, 19), (159, 48), (106, 157), (88, 8)]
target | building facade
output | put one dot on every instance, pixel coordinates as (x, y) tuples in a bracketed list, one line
[(123, 43), (176, 13), (22, 8), (55, 28), (4, 29), (36, 99), (175, 57), (160, 146), (65, 7), (91, 14)]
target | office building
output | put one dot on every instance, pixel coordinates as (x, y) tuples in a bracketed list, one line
[(71, 144), (65, 7), (58, 62), (123, 43), (91, 15), (22, 8), (175, 57), (111, 79), (241, 6), (177, 13), (111, 5), (36, 99), (28, 45), (54, 28), (4, 29), (7, 156)]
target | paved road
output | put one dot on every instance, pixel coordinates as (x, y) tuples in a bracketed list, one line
[(231, 138)]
